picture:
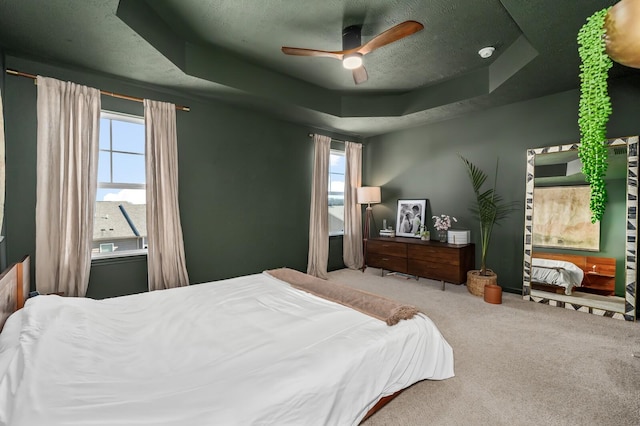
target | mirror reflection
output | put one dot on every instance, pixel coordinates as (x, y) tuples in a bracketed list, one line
[(568, 261)]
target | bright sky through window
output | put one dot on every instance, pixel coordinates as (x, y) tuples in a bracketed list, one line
[(121, 170), (336, 171), (336, 192)]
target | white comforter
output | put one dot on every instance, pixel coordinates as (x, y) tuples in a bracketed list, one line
[(249, 350)]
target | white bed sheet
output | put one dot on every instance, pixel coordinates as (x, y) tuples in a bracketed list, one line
[(249, 350), (556, 272)]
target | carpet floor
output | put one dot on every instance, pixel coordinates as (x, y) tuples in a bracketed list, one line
[(516, 363)]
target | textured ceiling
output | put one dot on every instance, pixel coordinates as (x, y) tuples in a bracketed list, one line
[(230, 50), (257, 33)]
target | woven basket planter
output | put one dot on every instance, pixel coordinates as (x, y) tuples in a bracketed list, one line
[(476, 282)]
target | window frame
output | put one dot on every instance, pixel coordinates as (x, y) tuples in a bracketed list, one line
[(110, 115), (119, 116)]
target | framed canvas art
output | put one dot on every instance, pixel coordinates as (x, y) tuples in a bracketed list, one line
[(562, 218)]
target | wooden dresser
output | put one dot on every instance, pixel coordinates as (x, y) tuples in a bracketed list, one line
[(427, 259)]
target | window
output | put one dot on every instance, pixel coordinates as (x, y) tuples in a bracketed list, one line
[(120, 223), (336, 192)]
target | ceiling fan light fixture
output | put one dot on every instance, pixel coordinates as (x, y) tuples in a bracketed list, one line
[(352, 61)]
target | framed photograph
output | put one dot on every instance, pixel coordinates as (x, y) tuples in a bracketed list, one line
[(562, 218), (409, 218)]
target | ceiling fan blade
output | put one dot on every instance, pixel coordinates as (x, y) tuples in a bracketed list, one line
[(360, 75), (311, 52), (401, 30)]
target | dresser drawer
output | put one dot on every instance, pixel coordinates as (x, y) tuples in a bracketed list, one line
[(446, 255), (391, 263), (436, 271), (388, 248)]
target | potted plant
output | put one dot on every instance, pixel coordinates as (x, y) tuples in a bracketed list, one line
[(609, 34), (425, 235), (490, 209), (594, 109)]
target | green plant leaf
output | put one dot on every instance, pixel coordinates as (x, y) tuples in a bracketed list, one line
[(594, 109), (489, 207)]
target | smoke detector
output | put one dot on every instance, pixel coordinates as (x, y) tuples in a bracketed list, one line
[(486, 52)]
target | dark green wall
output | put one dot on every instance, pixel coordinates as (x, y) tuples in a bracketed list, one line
[(421, 162), (245, 177), (244, 182), (118, 277)]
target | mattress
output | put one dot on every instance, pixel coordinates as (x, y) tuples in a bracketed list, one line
[(243, 351)]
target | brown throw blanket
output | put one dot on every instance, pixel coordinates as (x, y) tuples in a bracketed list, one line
[(376, 306)]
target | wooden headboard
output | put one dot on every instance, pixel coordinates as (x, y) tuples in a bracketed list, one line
[(24, 280), (599, 272), (14, 288)]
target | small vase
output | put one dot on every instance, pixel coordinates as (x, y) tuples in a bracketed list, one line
[(442, 235)]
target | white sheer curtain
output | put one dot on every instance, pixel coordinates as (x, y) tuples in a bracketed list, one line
[(319, 221), (67, 171), (352, 240), (166, 263)]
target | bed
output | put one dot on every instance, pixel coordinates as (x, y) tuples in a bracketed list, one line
[(566, 273), (14, 288), (248, 350)]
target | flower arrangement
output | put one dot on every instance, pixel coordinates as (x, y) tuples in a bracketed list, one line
[(443, 222)]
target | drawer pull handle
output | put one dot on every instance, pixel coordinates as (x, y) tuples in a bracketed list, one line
[(386, 259)]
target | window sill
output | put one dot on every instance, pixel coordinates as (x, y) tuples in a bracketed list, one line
[(115, 257)]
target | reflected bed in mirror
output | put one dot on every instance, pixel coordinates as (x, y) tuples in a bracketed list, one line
[(611, 289)]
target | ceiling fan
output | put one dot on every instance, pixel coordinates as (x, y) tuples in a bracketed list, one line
[(353, 50)]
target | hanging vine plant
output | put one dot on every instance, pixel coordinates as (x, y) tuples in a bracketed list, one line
[(594, 109)]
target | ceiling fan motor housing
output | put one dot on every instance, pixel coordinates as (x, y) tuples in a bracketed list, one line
[(351, 37)]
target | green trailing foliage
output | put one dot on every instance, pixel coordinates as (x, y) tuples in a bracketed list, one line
[(594, 110), (489, 207)]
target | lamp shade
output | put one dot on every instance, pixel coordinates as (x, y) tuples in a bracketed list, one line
[(369, 195)]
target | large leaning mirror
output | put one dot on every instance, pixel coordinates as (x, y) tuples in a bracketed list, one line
[(569, 262)]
